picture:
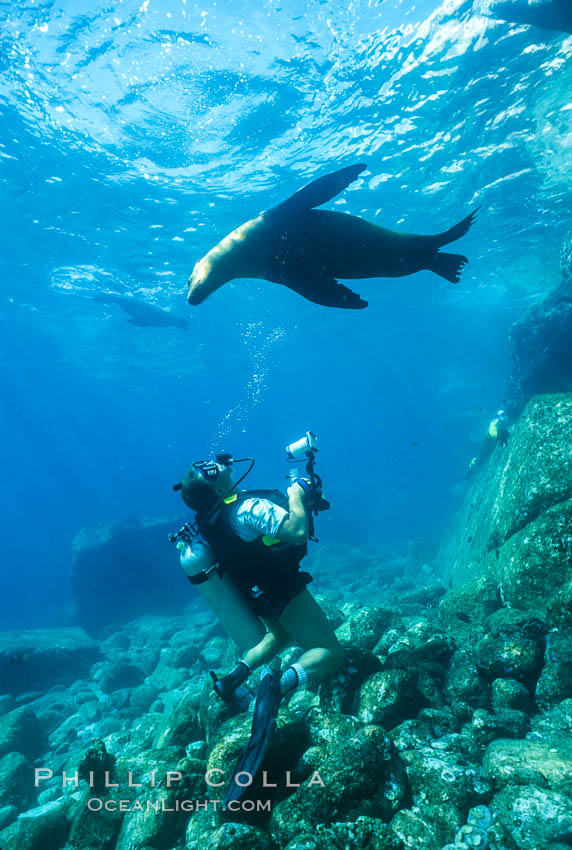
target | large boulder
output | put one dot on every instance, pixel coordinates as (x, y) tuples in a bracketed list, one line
[(543, 763), (541, 339), (16, 781), (20, 732), (203, 831), (515, 525), (364, 629), (43, 828), (541, 345), (530, 818), (389, 697), (439, 777), (555, 682), (121, 570), (513, 647), (359, 771), (38, 659)]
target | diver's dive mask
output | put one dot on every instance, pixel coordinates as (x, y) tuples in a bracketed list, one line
[(210, 470), (218, 470), (213, 472)]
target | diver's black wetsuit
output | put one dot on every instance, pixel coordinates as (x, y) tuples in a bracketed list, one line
[(267, 571)]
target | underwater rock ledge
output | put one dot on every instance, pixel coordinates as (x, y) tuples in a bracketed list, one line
[(515, 524)]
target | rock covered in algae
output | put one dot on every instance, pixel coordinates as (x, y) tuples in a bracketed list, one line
[(162, 824), (470, 602), (420, 644), (229, 836), (540, 339), (389, 697), (8, 814), (555, 682), (97, 761), (530, 818), (364, 629), (180, 726), (15, 786), (463, 682), (559, 607), (437, 777), (528, 482), (514, 646), (114, 675), (21, 732), (534, 561), (364, 832), (97, 830), (360, 772), (508, 693), (42, 828), (341, 691), (544, 763), (504, 723), (425, 827)]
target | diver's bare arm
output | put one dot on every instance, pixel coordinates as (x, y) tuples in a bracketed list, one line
[(295, 528)]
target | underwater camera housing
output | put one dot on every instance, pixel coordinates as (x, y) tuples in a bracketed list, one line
[(303, 447), (307, 447)]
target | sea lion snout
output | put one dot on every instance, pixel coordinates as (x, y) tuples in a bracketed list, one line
[(206, 276), (193, 296), (195, 283)]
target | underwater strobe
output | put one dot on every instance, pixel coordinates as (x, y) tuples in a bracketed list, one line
[(307, 447)]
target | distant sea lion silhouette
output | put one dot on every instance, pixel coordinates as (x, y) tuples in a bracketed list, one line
[(307, 249), (143, 315), (547, 14)]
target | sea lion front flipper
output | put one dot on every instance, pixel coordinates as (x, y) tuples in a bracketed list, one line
[(327, 292), (320, 191)]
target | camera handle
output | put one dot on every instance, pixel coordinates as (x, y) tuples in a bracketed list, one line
[(315, 482)]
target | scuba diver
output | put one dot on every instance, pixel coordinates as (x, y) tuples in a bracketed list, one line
[(497, 434), (243, 554)]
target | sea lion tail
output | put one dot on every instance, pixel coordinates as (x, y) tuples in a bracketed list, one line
[(456, 231), (448, 266)]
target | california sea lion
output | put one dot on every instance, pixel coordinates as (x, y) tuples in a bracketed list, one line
[(307, 249), (143, 315)]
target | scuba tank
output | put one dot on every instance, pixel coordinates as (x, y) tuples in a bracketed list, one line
[(230, 606), (227, 602)]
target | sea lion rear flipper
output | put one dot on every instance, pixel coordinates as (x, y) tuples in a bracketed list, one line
[(320, 191), (448, 266), (455, 232), (327, 292)]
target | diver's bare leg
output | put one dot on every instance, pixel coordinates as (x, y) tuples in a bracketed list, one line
[(273, 641), (308, 626)]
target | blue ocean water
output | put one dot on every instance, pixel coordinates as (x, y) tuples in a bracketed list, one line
[(134, 135)]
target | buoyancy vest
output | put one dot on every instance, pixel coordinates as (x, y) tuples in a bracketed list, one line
[(264, 561)]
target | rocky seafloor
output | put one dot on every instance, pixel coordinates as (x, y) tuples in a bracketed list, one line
[(449, 725)]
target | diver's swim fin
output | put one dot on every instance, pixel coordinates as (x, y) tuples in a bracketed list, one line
[(235, 696), (263, 725)]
